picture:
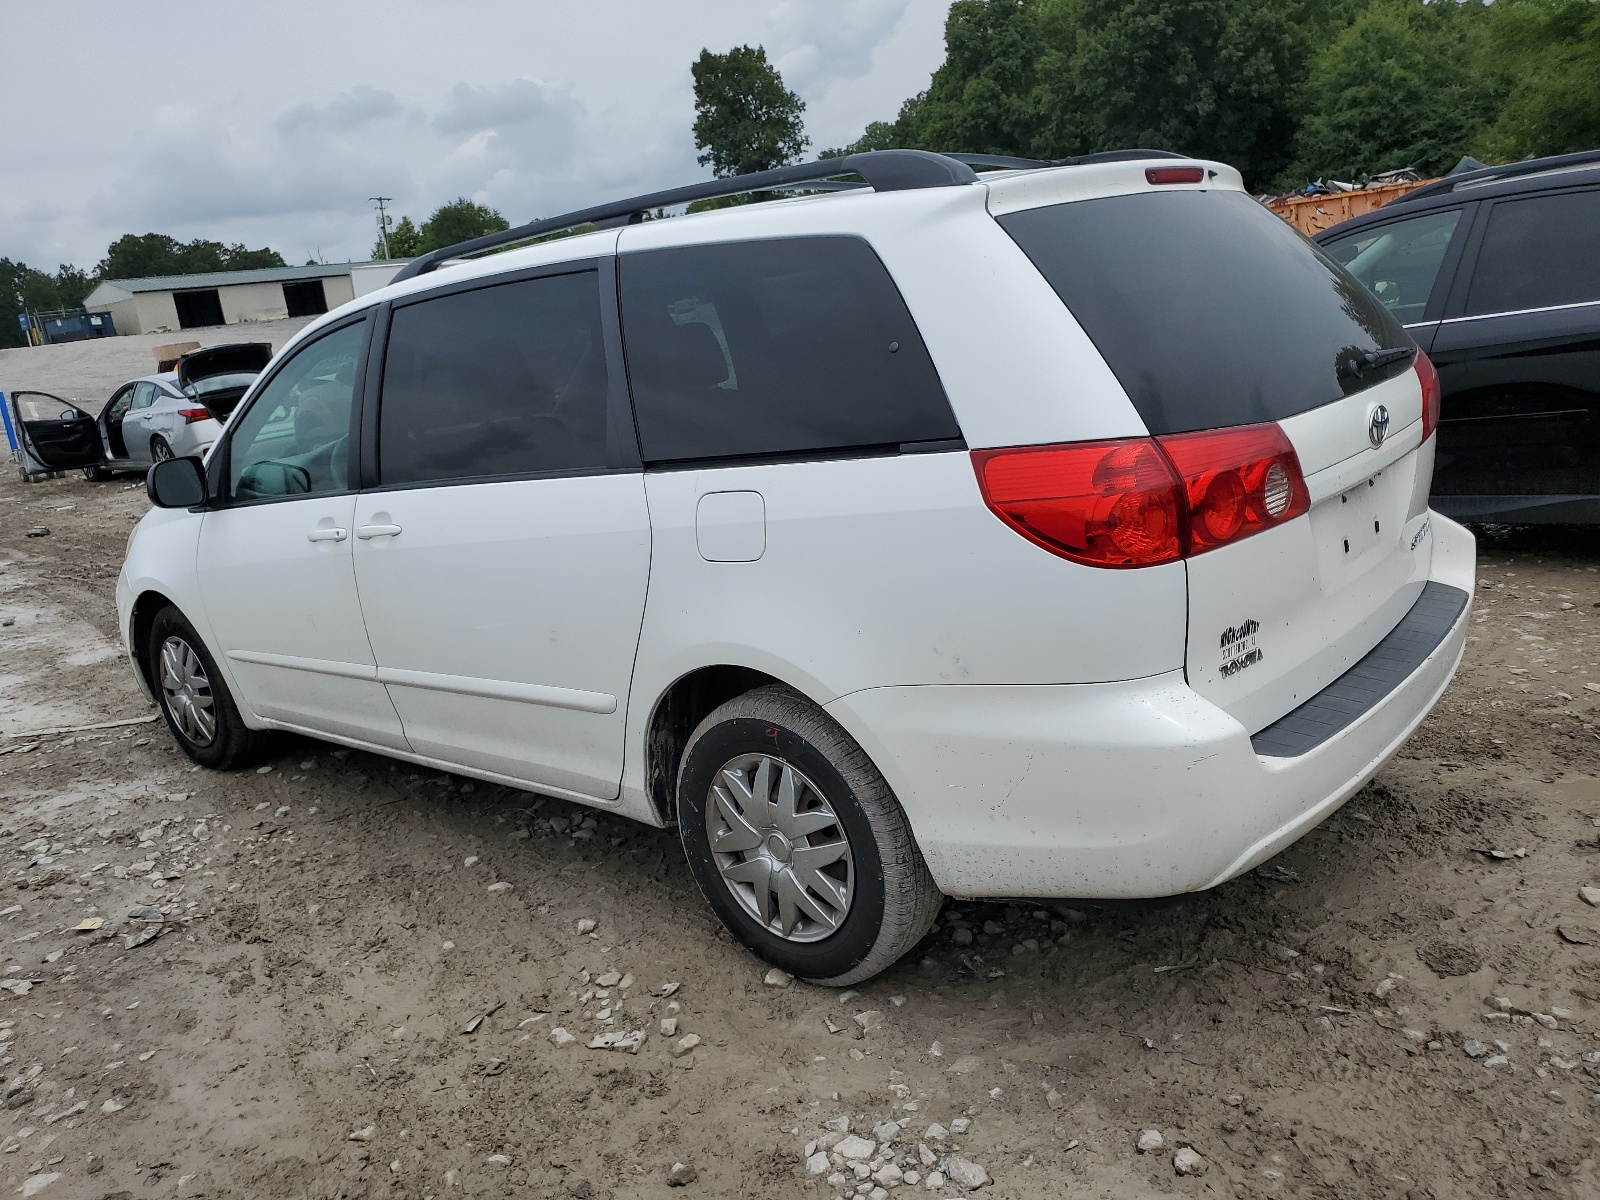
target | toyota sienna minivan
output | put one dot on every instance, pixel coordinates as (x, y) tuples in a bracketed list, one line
[(1060, 531)]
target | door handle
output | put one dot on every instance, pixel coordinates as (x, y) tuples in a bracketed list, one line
[(367, 532), (327, 535)]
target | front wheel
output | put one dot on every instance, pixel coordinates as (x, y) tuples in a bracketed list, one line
[(195, 701), (96, 474), (797, 841)]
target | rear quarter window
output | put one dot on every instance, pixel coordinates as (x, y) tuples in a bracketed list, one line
[(774, 347), (1538, 253), (1210, 310)]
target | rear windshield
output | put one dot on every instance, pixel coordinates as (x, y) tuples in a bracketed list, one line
[(1210, 310)]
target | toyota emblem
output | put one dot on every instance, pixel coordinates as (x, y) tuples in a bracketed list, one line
[(1378, 425)]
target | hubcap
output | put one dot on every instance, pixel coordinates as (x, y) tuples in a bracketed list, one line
[(780, 847), (187, 691), (163, 452)]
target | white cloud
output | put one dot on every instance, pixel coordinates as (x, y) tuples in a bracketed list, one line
[(818, 44), (276, 123)]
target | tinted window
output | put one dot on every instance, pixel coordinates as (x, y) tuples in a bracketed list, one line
[(1399, 262), (295, 438), (1211, 311), (774, 347), (504, 380), (1537, 252)]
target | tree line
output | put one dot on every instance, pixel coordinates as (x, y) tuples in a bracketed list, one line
[(1287, 90)]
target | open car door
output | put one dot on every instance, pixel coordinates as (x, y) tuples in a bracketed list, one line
[(219, 376), (56, 434)]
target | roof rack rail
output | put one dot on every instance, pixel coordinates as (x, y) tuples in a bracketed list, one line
[(884, 171), (1081, 160), (1528, 166)]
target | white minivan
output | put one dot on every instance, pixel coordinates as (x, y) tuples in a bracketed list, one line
[(1060, 531)]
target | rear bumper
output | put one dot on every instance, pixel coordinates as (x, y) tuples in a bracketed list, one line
[(1123, 790)]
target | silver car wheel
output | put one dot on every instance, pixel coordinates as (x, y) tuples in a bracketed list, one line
[(780, 847), (159, 450), (187, 691)]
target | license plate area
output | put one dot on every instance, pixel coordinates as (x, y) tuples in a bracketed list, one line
[(1357, 528), (1358, 518)]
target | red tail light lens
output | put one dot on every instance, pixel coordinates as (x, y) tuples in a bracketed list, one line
[(1161, 175), (1236, 482), (1110, 504), (191, 415), (1431, 394), (1137, 502)]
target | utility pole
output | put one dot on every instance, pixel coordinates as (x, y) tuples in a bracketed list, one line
[(384, 221)]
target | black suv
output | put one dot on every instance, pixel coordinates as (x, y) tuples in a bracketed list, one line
[(1496, 274)]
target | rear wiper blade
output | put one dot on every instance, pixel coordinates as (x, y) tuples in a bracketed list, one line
[(1373, 359)]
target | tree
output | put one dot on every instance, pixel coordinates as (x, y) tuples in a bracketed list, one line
[(24, 289), (1548, 52), (459, 221), (136, 256), (405, 241), (1400, 86), (1052, 78), (745, 119), (983, 98), (1213, 78)]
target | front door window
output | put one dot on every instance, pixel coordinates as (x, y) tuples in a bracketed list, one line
[(295, 438)]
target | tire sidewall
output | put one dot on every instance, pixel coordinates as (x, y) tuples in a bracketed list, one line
[(223, 748), (855, 938)]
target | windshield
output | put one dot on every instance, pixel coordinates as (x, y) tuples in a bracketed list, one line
[(1211, 311)]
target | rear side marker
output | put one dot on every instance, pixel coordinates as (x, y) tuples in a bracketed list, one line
[(1137, 502)]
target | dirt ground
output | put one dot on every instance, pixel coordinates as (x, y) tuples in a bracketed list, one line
[(339, 1004)]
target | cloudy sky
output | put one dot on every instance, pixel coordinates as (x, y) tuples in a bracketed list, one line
[(271, 123)]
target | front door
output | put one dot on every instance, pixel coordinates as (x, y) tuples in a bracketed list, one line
[(56, 434), (1520, 362), (503, 555), (275, 566)]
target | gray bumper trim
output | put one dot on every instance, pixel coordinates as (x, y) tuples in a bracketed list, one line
[(1360, 689)]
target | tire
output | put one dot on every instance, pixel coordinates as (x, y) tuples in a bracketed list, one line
[(160, 450), (193, 698), (96, 474), (878, 898)]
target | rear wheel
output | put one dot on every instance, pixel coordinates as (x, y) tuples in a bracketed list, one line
[(193, 698), (797, 841), (160, 451)]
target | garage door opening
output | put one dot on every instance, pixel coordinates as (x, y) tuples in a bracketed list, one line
[(305, 299), (197, 309)]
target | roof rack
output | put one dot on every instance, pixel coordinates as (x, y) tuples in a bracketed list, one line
[(1468, 179), (884, 171)]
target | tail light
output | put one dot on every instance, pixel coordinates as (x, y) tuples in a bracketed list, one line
[(1111, 504), (191, 415), (1431, 393), (1137, 502), (1236, 482)]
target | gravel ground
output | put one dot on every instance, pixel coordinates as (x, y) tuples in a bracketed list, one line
[(357, 968)]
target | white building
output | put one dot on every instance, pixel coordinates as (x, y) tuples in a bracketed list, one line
[(163, 303)]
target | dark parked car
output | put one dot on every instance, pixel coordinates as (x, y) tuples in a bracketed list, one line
[(1496, 274)]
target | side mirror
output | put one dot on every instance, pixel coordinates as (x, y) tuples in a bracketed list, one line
[(176, 483)]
